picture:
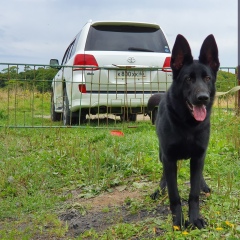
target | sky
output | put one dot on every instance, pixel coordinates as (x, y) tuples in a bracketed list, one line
[(34, 31)]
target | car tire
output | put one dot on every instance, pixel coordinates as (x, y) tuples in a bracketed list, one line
[(79, 118), (55, 116), (82, 116), (131, 117), (66, 112)]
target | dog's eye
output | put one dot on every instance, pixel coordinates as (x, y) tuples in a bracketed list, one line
[(188, 79), (207, 78)]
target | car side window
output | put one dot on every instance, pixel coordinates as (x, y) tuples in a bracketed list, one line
[(68, 53), (65, 57), (74, 45), (70, 50)]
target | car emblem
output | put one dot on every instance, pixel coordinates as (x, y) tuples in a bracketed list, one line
[(131, 60)]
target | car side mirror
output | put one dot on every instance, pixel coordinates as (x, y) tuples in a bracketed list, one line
[(54, 63)]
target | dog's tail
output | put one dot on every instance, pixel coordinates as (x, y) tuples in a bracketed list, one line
[(152, 106)]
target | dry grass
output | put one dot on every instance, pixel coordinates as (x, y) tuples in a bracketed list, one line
[(228, 101)]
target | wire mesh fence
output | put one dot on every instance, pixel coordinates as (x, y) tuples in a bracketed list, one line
[(38, 95)]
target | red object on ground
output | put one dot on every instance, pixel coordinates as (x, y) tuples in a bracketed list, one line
[(117, 133)]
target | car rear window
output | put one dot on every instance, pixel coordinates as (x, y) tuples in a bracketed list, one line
[(126, 38)]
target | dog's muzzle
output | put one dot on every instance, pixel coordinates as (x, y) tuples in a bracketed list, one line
[(199, 112)]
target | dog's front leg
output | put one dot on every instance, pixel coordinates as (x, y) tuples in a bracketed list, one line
[(196, 168), (170, 171)]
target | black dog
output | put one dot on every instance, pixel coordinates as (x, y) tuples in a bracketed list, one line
[(183, 124)]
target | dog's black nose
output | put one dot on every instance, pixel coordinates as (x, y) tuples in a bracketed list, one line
[(203, 97)]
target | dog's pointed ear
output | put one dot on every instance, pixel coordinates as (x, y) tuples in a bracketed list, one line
[(209, 53), (181, 53)]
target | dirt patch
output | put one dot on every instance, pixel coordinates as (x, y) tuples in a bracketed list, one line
[(110, 199), (106, 210)]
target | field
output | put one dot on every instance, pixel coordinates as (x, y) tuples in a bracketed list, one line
[(85, 183)]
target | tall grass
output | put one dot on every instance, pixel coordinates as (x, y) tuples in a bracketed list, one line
[(22, 107)]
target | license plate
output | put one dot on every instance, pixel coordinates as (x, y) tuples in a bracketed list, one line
[(131, 74)]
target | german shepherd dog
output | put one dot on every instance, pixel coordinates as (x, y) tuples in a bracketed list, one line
[(183, 124)]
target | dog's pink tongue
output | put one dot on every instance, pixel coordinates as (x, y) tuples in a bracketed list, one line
[(199, 112)]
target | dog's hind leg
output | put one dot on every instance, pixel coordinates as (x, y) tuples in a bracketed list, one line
[(204, 187), (162, 184), (162, 191)]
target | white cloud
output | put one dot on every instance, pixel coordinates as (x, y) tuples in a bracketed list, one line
[(37, 30)]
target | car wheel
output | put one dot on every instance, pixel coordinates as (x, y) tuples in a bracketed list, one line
[(128, 117), (54, 115), (66, 112), (132, 117), (79, 118)]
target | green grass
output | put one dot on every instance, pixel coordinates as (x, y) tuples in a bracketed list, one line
[(39, 168), (22, 107)]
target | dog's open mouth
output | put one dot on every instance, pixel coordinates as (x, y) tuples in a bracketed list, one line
[(199, 112)]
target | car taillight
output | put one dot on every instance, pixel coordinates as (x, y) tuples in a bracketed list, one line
[(82, 88), (166, 65), (85, 62)]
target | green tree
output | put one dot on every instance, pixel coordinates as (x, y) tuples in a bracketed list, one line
[(39, 78), (225, 81), (44, 78)]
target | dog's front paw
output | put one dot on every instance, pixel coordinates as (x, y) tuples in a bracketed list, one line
[(196, 223), (178, 225)]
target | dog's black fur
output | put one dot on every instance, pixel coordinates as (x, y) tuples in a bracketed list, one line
[(152, 106), (183, 124)]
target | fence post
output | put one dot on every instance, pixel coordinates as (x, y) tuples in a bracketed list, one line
[(238, 68), (238, 100)]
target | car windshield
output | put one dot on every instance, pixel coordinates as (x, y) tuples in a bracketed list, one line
[(126, 38)]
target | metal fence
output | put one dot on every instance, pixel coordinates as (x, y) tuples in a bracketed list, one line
[(36, 96)]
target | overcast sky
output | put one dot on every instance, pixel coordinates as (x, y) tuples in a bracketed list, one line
[(33, 31)]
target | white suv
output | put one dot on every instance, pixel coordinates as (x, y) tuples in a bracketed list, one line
[(110, 67)]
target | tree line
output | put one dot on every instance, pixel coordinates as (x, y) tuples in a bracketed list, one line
[(38, 78)]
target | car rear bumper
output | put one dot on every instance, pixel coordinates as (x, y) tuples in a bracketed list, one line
[(110, 100)]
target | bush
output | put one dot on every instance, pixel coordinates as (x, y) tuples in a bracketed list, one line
[(225, 81)]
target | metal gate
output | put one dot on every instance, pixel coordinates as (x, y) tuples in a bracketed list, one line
[(26, 93)]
